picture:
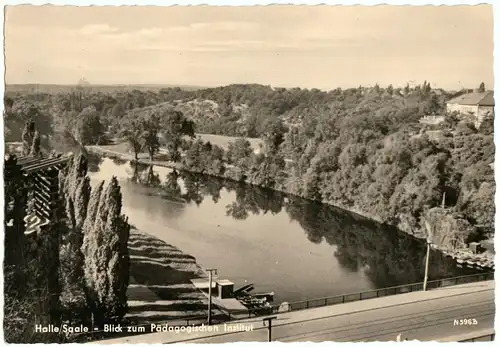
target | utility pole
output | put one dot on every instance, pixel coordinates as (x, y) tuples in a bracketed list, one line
[(210, 272), (269, 326), (427, 264), (429, 242)]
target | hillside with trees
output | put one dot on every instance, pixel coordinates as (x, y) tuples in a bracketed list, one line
[(362, 149)]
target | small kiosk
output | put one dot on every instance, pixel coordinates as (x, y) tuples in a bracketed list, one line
[(225, 289)]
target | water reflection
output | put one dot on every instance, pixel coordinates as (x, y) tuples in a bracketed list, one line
[(144, 174), (94, 161), (385, 255)]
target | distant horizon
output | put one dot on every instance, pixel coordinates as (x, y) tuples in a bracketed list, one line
[(169, 85), (367, 85), (286, 46)]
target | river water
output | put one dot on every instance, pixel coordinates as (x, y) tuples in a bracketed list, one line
[(294, 247)]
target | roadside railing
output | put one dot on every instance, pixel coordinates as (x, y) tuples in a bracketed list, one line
[(219, 315), (331, 300), (482, 338), (371, 294)]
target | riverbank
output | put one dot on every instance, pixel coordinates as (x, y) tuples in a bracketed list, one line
[(482, 260), (120, 151)]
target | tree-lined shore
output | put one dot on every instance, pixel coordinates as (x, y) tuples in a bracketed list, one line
[(362, 149)]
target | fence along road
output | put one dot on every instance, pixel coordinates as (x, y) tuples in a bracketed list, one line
[(425, 316), (235, 315), (338, 299), (222, 317)]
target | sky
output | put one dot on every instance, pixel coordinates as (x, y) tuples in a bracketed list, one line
[(321, 47)]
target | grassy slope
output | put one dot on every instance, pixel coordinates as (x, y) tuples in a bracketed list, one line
[(123, 150), (223, 141), (160, 287)]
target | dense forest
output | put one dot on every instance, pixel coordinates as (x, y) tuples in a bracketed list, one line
[(362, 149)]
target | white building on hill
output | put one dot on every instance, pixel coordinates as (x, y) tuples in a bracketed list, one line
[(479, 106)]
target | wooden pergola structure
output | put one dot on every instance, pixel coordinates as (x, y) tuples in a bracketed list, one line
[(42, 178), (38, 180)]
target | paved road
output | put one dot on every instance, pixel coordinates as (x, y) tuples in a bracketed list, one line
[(422, 316), (421, 320)]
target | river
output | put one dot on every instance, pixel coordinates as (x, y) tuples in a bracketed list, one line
[(294, 247)]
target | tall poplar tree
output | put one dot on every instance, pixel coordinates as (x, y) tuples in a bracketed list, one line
[(35, 150), (75, 194), (106, 268), (481, 88), (28, 136)]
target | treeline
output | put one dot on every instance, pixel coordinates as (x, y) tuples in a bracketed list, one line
[(373, 157), (234, 110), (382, 165), (76, 269), (361, 148)]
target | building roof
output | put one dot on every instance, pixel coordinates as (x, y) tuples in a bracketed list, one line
[(32, 164), (224, 282), (481, 99), (202, 283)]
